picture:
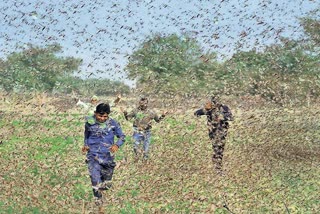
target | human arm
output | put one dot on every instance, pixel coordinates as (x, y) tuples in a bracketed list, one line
[(227, 114), (127, 115), (161, 117), (121, 138), (117, 100), (85, 147), (199, 112)]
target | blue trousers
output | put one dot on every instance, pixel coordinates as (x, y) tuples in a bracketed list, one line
[(143, 137), (99, 173)]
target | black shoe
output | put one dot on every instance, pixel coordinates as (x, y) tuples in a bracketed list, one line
[(135, 151), (145, 157), (98, 201)]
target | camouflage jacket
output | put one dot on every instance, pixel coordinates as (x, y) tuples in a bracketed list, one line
[(217, 117), (143, 118)]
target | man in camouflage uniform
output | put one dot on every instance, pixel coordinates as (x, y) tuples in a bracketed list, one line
[(142, 125), (218, 116)]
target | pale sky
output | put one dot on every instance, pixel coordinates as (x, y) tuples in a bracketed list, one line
[(103, 33)]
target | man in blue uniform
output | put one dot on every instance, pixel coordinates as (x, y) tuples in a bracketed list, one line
[(99, 144), (218, 116)]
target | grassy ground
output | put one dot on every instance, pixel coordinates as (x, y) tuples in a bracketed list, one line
[(271, 165)]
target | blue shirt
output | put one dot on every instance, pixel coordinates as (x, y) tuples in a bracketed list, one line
[(99, 137)]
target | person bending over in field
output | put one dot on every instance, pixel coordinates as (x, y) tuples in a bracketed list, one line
[(92, 105), (142, 125), (100, 147), (89, 108), (218, 116)]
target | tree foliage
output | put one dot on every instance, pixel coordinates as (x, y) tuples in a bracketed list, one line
[(88, 87), (282, 72), (312, 29), (163, 62), (40, 69), (279, 73), (36, 68)]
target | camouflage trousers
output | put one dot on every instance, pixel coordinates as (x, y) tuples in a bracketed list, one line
[(218, 137)]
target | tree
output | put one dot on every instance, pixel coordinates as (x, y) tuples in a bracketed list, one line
[(36, 68), (169, 63), (281, 73), (89, 87), (312, 29)]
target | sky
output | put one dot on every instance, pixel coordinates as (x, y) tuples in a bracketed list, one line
[(104, 33)]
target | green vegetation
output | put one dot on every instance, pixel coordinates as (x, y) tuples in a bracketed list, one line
[(35, 68), (40, 69), (271, 166), (283, 73), (272, 155)]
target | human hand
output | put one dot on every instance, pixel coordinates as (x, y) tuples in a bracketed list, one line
[(114, 148), (117, 100), (208, 105), (219, 117), (164, 113), (85, 149), (123, 110)]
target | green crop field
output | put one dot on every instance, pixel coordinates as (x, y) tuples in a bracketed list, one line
[(271, 164)]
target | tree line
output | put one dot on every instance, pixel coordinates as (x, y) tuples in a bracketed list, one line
[(172, 64), (284, 72), (40, 69)]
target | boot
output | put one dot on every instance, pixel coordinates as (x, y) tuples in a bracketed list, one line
[(98, 201)]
